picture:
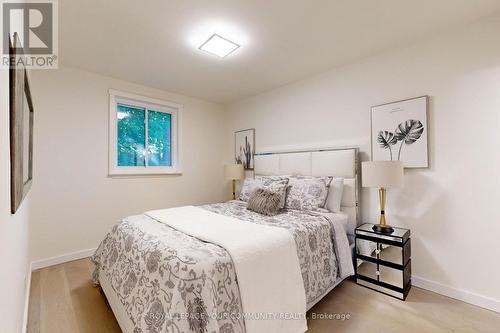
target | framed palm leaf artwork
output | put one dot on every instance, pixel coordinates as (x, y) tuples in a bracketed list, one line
[(399, 132)]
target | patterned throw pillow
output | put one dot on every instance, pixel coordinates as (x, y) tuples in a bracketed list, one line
[(275, 184), (307, 193), (264, 202)]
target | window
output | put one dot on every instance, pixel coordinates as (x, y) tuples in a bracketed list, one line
[(144, 135)]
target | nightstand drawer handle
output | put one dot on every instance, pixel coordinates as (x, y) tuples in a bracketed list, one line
[(377, 273)]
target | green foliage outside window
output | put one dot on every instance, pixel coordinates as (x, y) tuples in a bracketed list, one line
[(131, 138), (159, 138)]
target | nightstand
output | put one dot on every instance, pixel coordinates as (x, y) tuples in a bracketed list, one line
[(383, 261)]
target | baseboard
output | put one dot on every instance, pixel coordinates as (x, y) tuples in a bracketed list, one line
[(459, 294), (62, 259), (27, 299)]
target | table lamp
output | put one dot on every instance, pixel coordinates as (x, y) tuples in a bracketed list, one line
[(382, 175), (234, 172)]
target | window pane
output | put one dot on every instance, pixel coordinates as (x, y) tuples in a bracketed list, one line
[(159, 138), (131, 136)]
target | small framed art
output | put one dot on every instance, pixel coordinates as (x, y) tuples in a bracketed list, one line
[(244, 148)]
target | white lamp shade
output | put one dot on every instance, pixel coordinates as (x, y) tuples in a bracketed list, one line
[(382, 174), (233, 171)]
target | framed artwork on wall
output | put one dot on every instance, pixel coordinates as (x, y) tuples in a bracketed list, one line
[(21, 130), (244, 148), (399, 132)]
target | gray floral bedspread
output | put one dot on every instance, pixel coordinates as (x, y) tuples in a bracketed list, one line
[(168, 281)]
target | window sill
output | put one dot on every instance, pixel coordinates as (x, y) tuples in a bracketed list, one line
[(146, 175), (143, 172)]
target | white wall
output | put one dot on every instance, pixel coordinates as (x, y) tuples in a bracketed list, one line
[(74, 203), (452, 207), (13, 230)]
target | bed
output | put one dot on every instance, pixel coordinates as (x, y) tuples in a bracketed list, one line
[(159, 276)]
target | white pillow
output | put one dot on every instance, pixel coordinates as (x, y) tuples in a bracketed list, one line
[(335, 191)]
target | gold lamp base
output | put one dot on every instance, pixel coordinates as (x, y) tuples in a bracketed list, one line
[(382, 227)]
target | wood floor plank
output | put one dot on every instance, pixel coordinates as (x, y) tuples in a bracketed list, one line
[(56, 308), (63, 300), (93, 315), (34, 304)]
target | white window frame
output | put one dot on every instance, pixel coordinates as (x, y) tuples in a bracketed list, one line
[(120, 97)]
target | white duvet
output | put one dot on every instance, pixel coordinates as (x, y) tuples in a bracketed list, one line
[(266, 264)]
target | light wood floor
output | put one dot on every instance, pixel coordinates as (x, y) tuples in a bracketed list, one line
[(63, 300)]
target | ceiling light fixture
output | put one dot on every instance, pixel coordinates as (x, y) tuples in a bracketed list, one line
[(219, 46)]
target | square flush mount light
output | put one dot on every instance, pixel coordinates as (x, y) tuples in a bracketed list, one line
[(219, 46)]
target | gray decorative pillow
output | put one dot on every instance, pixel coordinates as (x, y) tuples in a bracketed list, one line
[(307, 193), (327, 179), (276, 185), (264, 202)]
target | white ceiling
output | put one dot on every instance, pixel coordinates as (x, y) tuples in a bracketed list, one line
[(154, 42)]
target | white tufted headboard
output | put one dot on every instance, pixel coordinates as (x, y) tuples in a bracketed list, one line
[(325, 162)]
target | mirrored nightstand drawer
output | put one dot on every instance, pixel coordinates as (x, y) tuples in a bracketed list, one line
[(366, 248), (392, 281), (381, 273), (375, 286), (392, 255), (367, 269), (395, 254), (391, 276)]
